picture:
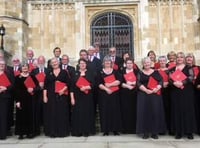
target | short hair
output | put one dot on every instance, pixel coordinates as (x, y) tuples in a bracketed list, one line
[(83, 50), (107, 58), (191, 55), (65, 55), (83, 60), (55, 49), (129, 59), (171, 53), (91, 47), (146, 59), (54, 58), (162, 57), (151, 51)]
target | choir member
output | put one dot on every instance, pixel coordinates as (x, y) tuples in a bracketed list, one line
[(152, 55), (98, 52), (6, 83), (96, 62), (40, 73), (55, 97), (115, 59), (65, 66), (30, 59), (150, 112), (182, 99), (25, 86), (171, 56), (109, 98), (190, 61), (197, 102), (164, 72), (128, 97), (57, 54), (125, 56), (83, 118)]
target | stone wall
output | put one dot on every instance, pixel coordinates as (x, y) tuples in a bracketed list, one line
[(160, 25)]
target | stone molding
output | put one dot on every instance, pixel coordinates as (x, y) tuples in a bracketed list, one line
[(50, 6)]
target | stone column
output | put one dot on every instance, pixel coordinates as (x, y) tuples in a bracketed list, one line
[(13, 15)]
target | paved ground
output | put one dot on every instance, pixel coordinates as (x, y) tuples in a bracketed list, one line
[(99, 141)]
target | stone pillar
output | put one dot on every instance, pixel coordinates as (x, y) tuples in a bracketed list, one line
[(13, 15)]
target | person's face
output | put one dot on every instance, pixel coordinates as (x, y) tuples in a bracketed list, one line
[(172, 58), (25, 68), (189, 60), (180, 59), (152, 56), (41, 61), (126, 56), (147, 64), (83, 55), (2, 66), (129, 64), (82, 65), (107, 64), (30, 54), (90, 52), (65, 60), (55, 63), (112, 52), (16, 62), (57, 53), (97, 49), (162, 62)]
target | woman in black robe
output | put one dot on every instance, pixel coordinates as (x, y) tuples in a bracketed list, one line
[(128, 97), (150, 112), (83, 115), (109, 98), (164, 72), (5, 96), (190, 61), (197, 101), (182, 100), (24, 103), (55, 97)]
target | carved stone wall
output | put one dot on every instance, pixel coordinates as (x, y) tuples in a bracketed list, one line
[(160, 25)]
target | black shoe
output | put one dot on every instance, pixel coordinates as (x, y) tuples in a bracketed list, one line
[(2, 138), (30, 136), (20, 137), (116, 133), (105, 134), (190, 136), (85, 134), (145, 136), (178, 136), (154, 136), (9, 133)]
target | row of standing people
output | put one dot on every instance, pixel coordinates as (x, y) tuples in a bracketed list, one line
[(118, 108)]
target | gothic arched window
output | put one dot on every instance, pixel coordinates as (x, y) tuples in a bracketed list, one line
[(113, 29)]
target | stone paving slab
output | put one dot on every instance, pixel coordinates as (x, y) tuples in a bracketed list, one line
[(99, 141)]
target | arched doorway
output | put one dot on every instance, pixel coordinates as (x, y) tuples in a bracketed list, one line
[(113, 29)]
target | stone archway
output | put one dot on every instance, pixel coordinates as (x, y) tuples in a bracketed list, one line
[(113, 29)]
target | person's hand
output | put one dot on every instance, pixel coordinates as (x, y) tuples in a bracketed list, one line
[(148, 91), (178, 84), (45, 99), (73, 101), (41, 84), (165, 84), (109, 91), (2, 89), (30, 90), (18, 105)]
